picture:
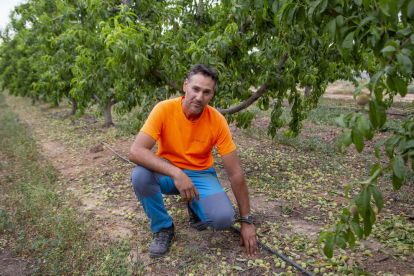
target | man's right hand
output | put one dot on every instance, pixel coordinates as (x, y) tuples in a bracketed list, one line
[(186, 188)]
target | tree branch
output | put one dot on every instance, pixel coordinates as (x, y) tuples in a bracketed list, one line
[(197, 16), (96, 98), (246, 25), (256, 95), (170, 82)]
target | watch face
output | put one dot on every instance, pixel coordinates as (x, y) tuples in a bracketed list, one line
[(249, 219)]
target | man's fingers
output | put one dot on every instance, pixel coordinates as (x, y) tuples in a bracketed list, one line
[(241, 241), (247, 246), (186, 195), (197, 194)]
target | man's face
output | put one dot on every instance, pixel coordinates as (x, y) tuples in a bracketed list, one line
[(198, 92)]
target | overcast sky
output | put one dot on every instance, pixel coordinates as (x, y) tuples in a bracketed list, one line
[(5, 7)]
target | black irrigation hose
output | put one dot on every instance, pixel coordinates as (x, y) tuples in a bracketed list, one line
[(103, 143), (279, 255), (357, 109), (367, 111), (235, 228)]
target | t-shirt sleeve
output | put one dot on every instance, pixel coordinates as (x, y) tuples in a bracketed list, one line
[(224, 142), (154, 123)]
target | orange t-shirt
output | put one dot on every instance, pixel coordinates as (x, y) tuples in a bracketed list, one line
[(188, 145)]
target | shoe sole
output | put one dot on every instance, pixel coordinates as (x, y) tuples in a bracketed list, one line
[(157, 255)]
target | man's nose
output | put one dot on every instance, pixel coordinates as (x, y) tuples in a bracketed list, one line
[(199, 96)]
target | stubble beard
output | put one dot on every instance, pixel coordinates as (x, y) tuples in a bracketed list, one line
[(196, 111)]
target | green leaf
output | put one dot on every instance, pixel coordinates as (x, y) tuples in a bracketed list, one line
[(379, 201), (374, 80), (399, 167), (351, 238), (328, 248), (340, 120), (331, 28), (410, 10), (374, 113), (401, 145), (236, 267), (400, 85), (358, 89), (367, 4), (357, 228), (368, 222), (409, 144), (391, 84), (339, 20), (347, 45), (340, 242), (396, 182), (357, 139), (363, 22), (363, 201), (364, 127), (384, 7), (407, 31), (405, 63), (358, 2), (389, 49), (346, 139), (393, 5), (389, 148), (312, 8)]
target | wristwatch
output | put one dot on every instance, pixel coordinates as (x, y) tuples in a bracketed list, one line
[(248, 219)]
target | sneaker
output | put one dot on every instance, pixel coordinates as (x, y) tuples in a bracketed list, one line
[(195, 221), (161, 242)]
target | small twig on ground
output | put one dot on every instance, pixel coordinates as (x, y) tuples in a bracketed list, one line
[(153, 262), (188, 261), (297, 212), (383, 259)]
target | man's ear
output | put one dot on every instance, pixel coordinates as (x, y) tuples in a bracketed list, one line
[(185, 85)]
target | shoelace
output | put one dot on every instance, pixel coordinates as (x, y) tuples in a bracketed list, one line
[(163, 236)]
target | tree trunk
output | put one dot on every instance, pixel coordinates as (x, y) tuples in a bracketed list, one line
[(308, 91), (74, 107), (108, 114), (37, 97)]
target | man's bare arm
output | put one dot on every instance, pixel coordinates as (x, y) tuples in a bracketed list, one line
[(239, 187), (141, 154)]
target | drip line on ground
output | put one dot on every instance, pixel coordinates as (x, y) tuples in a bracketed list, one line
[(103, 143), (278, 254)]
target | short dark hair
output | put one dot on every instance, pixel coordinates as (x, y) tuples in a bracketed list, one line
[(207, 71)]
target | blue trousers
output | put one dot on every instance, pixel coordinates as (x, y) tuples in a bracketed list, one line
[(214, 208)]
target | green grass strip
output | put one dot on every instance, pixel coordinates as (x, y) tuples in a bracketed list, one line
[(39, 218)]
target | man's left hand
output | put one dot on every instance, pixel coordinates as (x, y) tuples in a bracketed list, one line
[(248, 238)]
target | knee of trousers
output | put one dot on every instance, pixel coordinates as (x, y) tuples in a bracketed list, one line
[(222, 220), (144, 182)]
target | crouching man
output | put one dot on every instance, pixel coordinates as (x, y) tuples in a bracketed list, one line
[(186, 129)]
